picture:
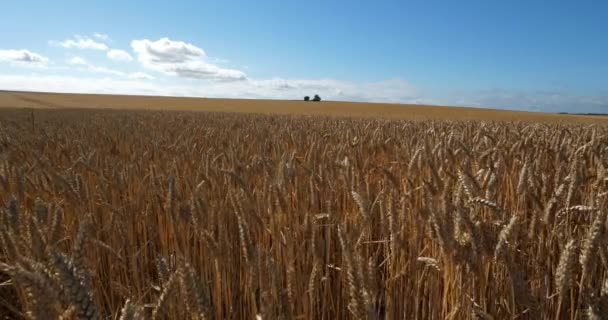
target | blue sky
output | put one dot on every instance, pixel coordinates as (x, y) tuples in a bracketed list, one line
[(528, 55)]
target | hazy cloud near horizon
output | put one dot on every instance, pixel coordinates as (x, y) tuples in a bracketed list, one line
[(387, 91), (549, 101), (183, 69)]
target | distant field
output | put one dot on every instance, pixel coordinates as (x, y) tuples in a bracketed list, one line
[(329, 108)]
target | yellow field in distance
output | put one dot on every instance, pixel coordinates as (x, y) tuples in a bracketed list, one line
[(10, 99)]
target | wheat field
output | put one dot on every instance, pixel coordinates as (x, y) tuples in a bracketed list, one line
[(40, 100), (112, 214)]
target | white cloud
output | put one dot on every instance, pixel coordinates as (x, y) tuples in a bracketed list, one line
[(166, 50), (181, 59), (101, 36), (202, 70), (23, 57), (78, 61), (119, 55), (80, 42)]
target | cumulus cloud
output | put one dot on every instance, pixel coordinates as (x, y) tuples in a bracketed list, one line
[(23, 57), (119, 55), (181, 59), (203, 70), (80, 42), (166, 50)]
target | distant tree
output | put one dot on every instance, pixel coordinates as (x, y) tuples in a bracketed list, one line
[(316, 98), (306, 98)]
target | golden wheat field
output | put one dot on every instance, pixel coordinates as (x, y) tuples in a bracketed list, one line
[(39, 100), (149, 214)]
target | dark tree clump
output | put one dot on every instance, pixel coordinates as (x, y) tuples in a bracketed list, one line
[(306, 98), (316, 98)]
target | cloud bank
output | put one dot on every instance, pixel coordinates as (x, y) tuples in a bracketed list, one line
[(398, 91), (547, 101), (269, 89)]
